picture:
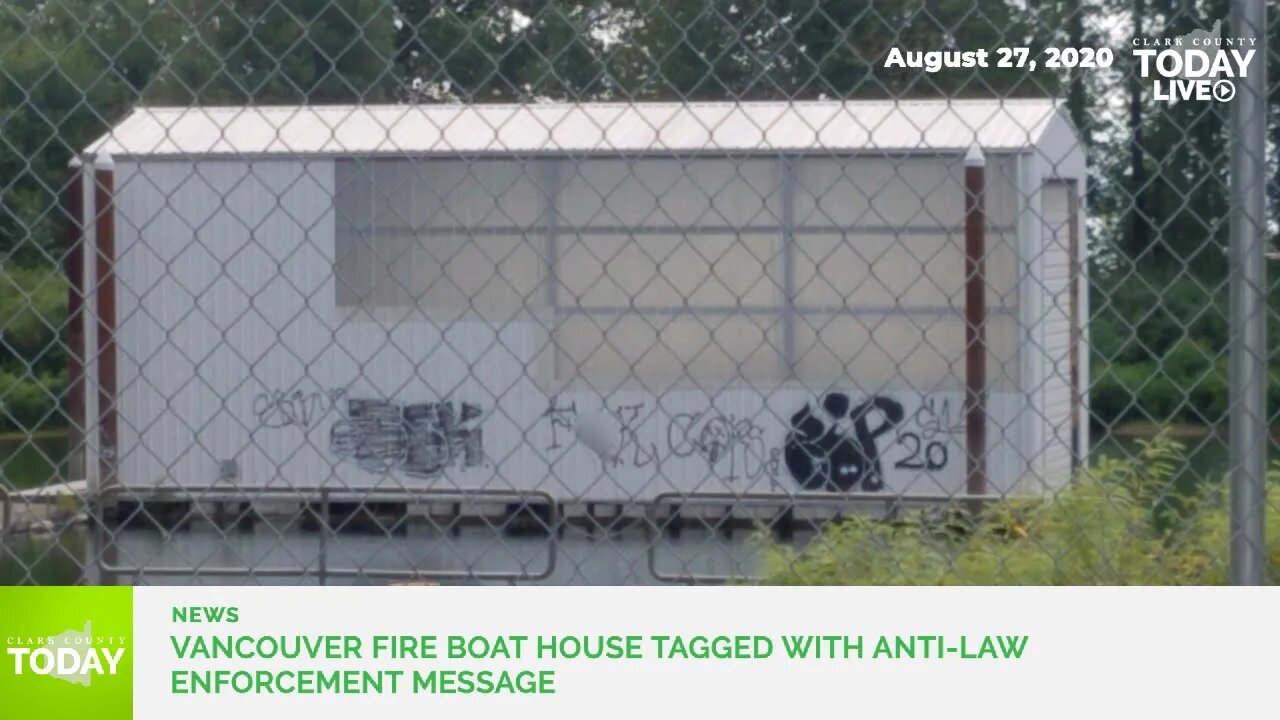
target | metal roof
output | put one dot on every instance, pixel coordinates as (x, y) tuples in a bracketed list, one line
[(926, 125)]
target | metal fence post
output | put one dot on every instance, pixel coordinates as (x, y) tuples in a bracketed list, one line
[(1248, 309), (323, 554), (975, 314)]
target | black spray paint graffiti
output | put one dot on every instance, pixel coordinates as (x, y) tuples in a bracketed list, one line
[(732, 447), (281, 408), (831, 445), (563, 418), (837, 446), (927, 448), (628, 417), (717, 437), (834, 447), (418, 439)]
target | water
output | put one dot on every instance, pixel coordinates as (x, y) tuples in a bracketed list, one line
[(43, 559), (627, 557)]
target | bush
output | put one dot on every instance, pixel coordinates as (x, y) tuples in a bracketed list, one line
[(1186, 361), (1118, 523), (1210, 396), (33, 309), (30, 403), (1187, 385), (1111, 397), (1201, 379), (1160, 398)]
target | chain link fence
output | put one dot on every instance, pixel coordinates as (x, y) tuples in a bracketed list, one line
[(308, 291)]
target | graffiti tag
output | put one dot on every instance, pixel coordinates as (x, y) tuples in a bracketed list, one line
[(563, 418), (282, 408), (642, 454), (833, 446), (714, 437), (419, 439)]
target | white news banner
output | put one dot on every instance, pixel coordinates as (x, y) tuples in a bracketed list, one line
[(737, 652)]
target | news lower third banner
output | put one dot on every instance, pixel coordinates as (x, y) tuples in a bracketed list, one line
[(218, 652)]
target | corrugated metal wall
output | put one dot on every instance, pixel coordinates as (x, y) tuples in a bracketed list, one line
[(1056, 205), (467, 323)]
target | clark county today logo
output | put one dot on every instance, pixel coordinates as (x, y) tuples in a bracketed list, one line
[(73, 656), (66, 652), (1200, 65)]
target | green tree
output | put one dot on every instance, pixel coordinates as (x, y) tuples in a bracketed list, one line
[(66, 72), (282, 52), (527, 50)]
